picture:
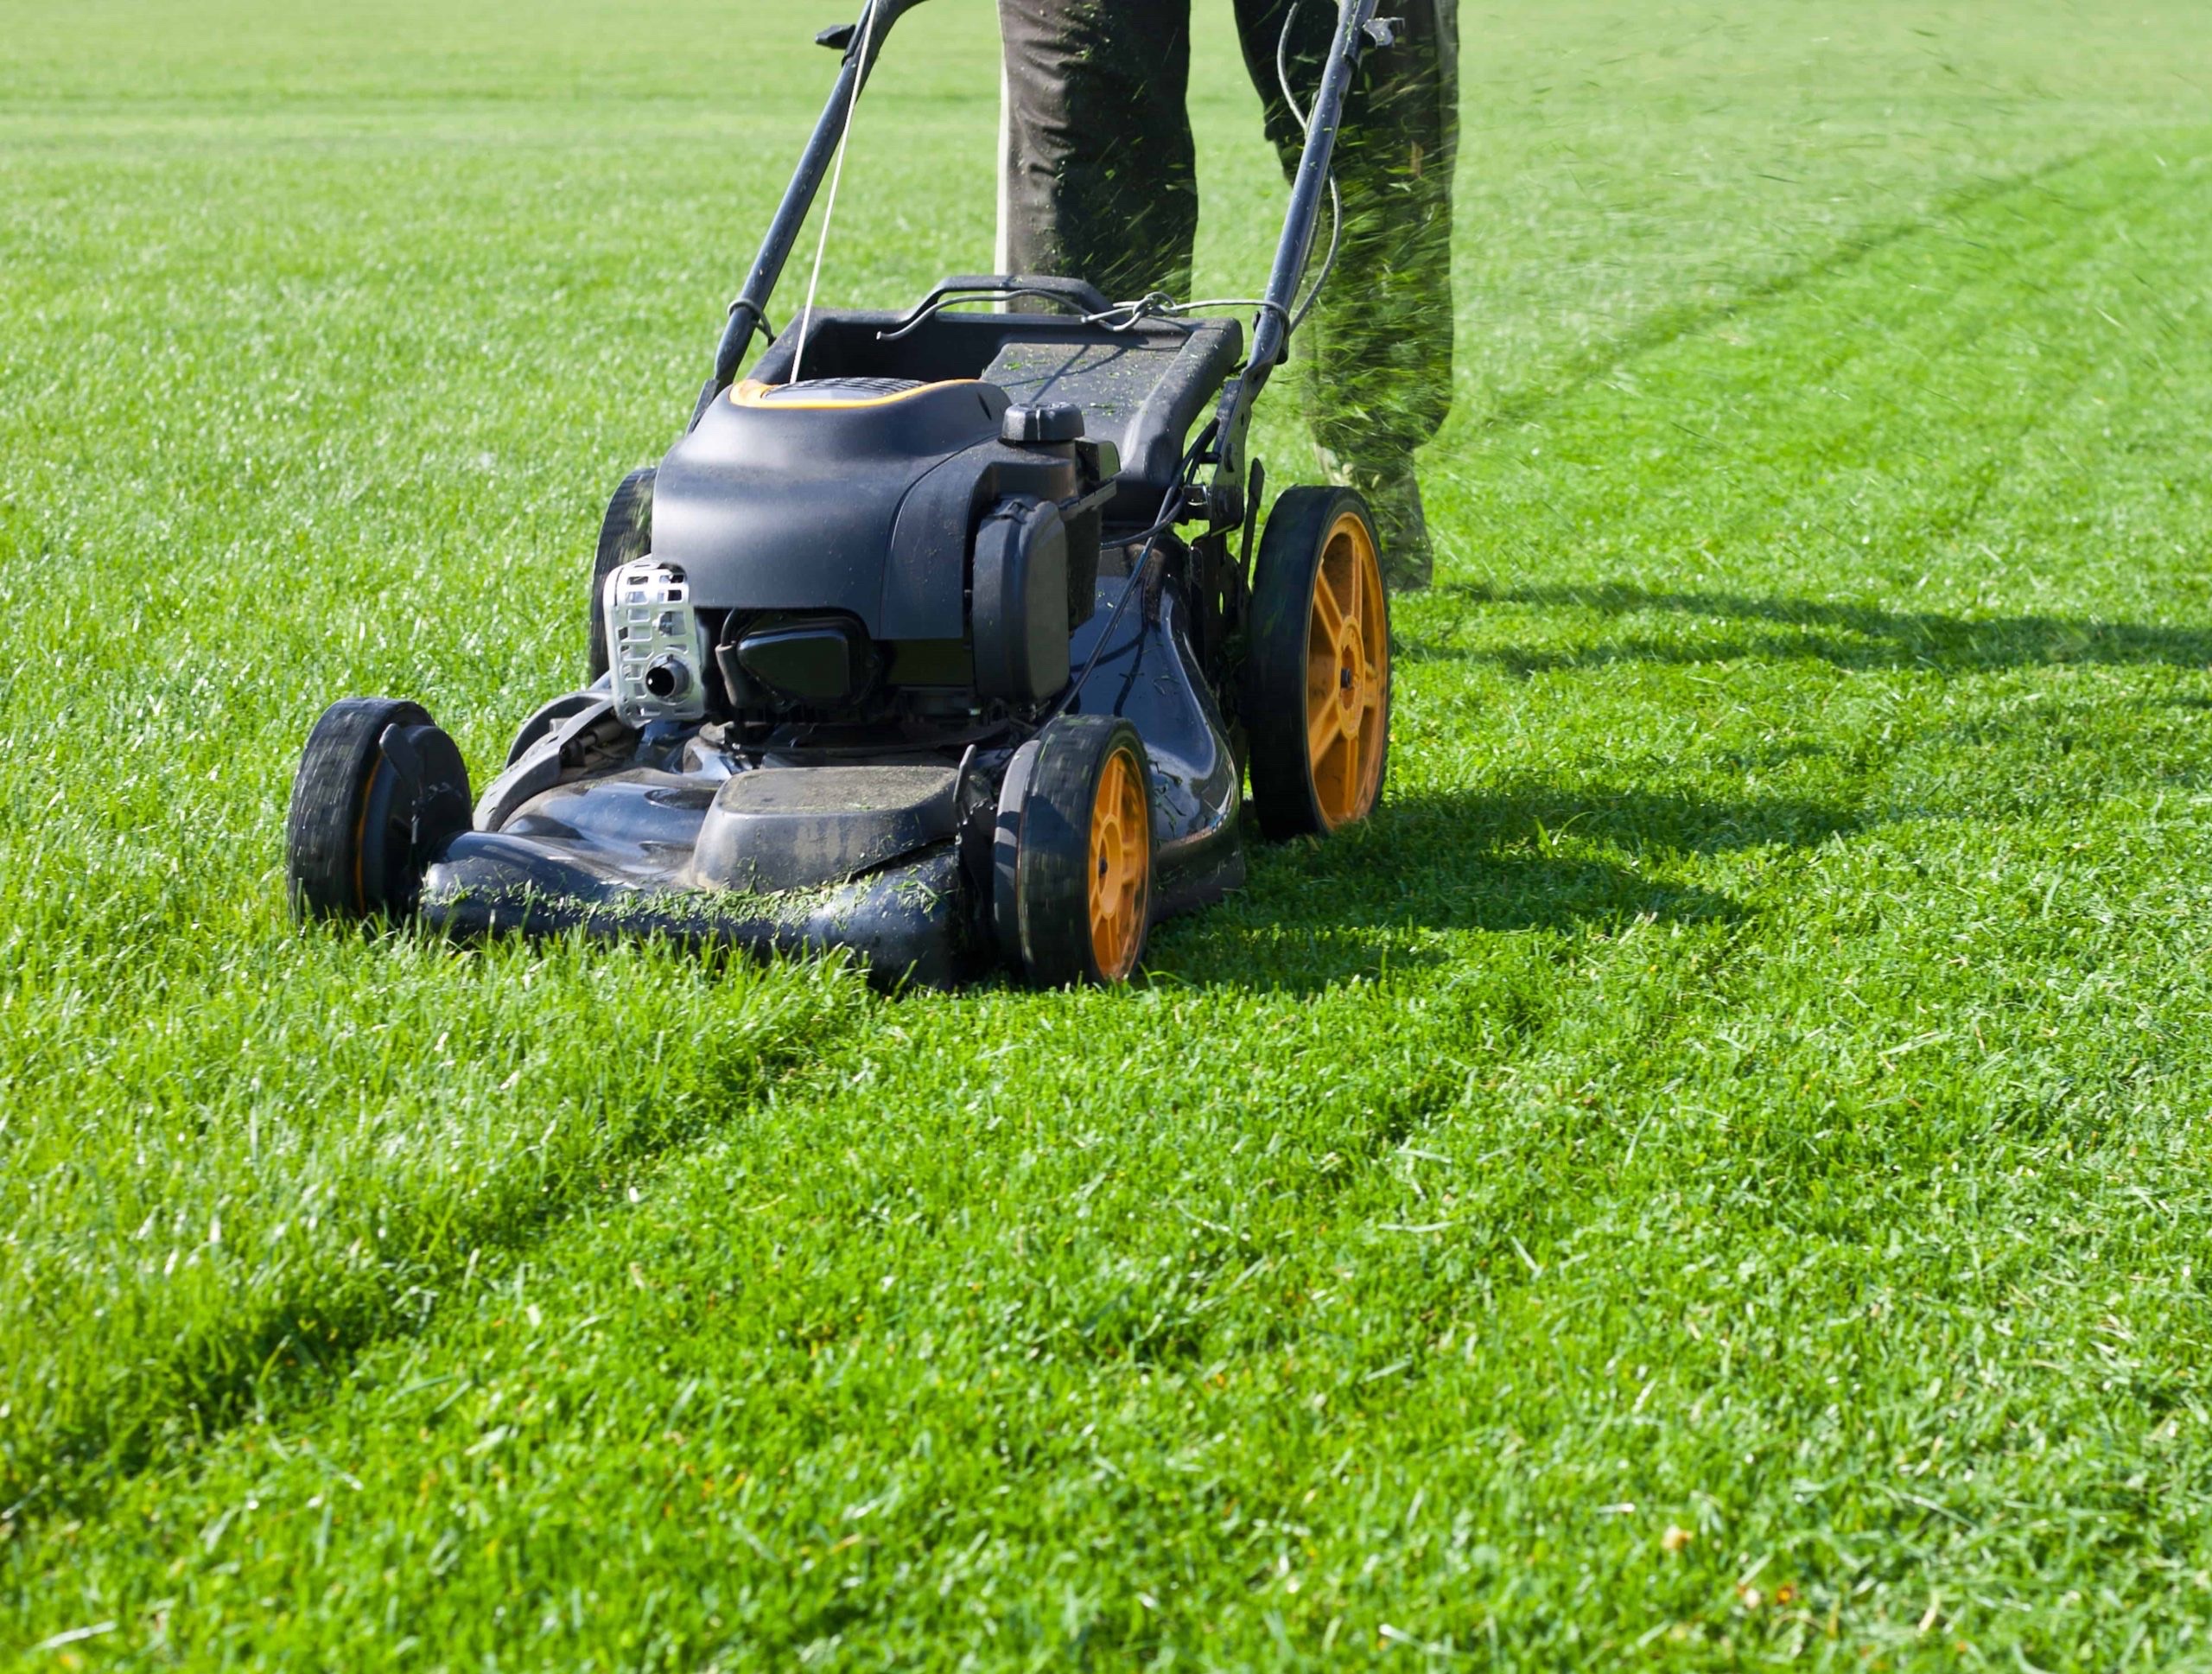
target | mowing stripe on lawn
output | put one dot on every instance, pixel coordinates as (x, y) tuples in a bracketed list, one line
[(182, 1238)]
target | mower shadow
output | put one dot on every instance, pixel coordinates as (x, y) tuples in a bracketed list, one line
[(1857, 636), (1514, 857)]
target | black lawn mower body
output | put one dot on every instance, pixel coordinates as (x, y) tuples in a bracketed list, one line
[(937, 645)]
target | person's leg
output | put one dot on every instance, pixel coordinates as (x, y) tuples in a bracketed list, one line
[(1377, 351), (1097, 176)]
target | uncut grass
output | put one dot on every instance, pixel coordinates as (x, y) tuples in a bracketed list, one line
[(1751, 1076)]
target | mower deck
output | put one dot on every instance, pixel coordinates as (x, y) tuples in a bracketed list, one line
[(887, 853)]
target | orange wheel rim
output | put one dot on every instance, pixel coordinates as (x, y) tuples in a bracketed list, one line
[(1121, 865), (1347, 674)]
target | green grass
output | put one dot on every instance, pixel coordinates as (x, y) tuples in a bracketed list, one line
[(1715, 1174)]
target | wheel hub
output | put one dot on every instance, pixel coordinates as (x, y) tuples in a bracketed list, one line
[(1351, 674)]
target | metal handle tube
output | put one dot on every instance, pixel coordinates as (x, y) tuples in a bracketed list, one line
[(752, 304), (1224, 497), (1271, 331)]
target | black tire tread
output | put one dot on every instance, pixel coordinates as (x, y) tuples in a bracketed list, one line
[(322, 828), (1053, 864), (1273, 695)]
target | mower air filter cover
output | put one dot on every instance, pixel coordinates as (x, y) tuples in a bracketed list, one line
[(1019, 609)]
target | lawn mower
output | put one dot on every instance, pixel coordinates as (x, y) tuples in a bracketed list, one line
[(939, 635)]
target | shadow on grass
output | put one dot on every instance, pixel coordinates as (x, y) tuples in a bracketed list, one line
[(1514, 857), (1847, 636)]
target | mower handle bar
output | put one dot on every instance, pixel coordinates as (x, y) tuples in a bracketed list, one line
[(750, 310), (1356, 29)]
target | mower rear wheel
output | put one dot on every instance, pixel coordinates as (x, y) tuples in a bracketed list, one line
[(380, 789), (1316, 698), (625, 534), (1083, 857)]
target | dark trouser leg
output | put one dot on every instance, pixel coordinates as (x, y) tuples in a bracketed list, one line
[(1097, 176), (1098, 181), (1377, 351)]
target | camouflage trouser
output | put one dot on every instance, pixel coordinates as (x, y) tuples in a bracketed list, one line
[(1097, 183)]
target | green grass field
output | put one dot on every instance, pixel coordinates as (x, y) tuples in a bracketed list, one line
[(1714, 1175)]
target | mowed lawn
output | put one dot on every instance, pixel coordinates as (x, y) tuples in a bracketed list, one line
[(1715, 1174)]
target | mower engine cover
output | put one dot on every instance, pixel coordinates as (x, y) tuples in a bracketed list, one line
[(863, 499), (786, 498)]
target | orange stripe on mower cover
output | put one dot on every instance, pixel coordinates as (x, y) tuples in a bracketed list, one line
[(754, 393)]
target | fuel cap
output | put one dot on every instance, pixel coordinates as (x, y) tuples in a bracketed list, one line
[(1053, 421)]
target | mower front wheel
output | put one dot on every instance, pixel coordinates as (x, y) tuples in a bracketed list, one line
[(1316, 698), (1080, 895), (380, 789)]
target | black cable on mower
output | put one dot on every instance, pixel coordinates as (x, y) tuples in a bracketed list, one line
[(1169, 509), (1336, 201)]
